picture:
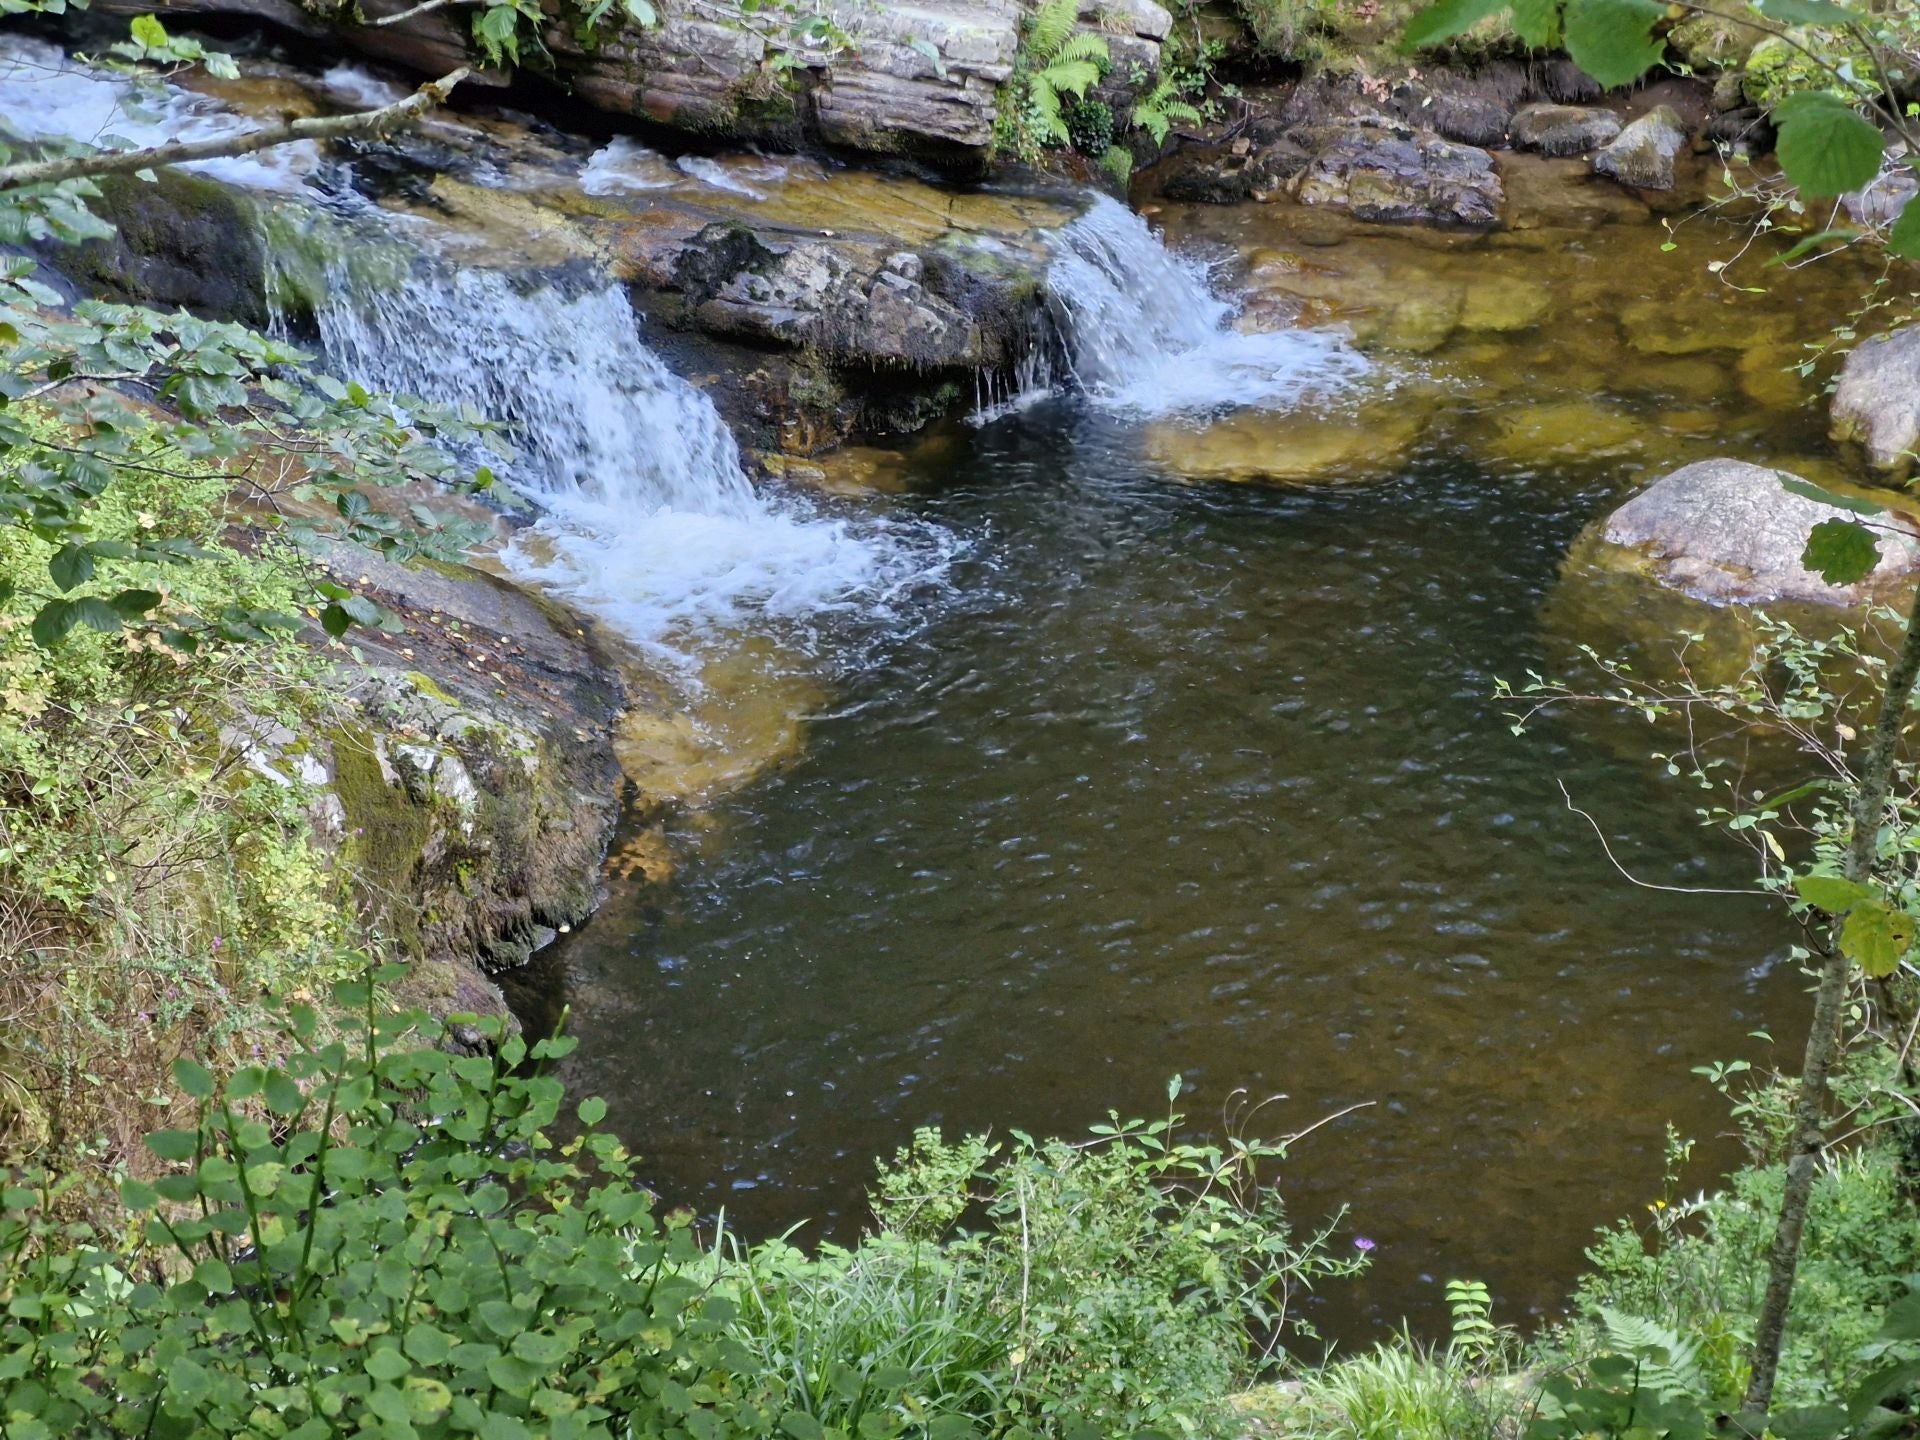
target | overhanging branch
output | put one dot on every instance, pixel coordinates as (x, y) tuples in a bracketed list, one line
[(371, 124)]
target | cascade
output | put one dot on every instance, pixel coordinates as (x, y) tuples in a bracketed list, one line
[(1140, 331), (646, 515)]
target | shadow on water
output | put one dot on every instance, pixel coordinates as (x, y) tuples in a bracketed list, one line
[(1202, 780)]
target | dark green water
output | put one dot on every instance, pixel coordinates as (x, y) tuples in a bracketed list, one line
[(1203, 780)]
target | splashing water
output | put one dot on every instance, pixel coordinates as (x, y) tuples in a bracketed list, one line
[(648, 518), (623, 166), (1143, 334), (46, 94)]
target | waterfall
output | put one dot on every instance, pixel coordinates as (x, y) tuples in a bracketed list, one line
[(1141, 332), (646, 515)]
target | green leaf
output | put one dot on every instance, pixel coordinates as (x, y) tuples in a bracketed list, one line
[(192, 1078), (539, 1349), (52, 625), (1876, 939), (149, 32), (1841, 552), (132, 604), (284, 1097), (1830, 893), (801, 1426), (1824, 146), (592, 1110), (1537, 22), (1809, 1422), (71, 565), (1902, 1320), (1806, 490), (1446, 19), (174, 1144), (1613, 40), (335, 620), (1807, 12), (1904, 238), (91, 610)]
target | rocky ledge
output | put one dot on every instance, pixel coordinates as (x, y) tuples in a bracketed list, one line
[(920, 80)]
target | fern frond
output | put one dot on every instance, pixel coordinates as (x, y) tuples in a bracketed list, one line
[(1084, 46), (1181, 110), (1051, 123), (1070, 77), (1153, 120), (1052, 24), (1669, 1362)]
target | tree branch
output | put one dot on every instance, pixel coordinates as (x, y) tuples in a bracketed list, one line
[(367, 123), (425, 7)]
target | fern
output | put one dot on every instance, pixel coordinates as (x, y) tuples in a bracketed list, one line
[(1052, 27), (1160, 107), (1056, 59), (1669, 1362)]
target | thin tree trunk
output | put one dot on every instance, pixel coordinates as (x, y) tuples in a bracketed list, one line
[(368, 123), (1823, 1042)]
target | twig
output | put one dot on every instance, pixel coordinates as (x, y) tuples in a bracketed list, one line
[(1633, 879), (374, 123)]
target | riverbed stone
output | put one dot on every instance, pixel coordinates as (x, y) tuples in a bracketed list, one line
[(1563, 129), (1287, 447), (1876, 404), (1643, 154), (1656, 327), (1387, 172), (1729, 532), (1563, 430)]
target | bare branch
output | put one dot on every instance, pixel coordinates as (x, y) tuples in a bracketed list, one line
[(367, 123), (425, 7), (1633, 879)]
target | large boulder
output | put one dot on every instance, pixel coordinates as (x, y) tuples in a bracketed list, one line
[(1728, 532), (1876, 404), (1563, 129), (1389, 172), (1643, 154)]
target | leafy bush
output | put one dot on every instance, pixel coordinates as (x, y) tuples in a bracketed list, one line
[(1145, 1279)]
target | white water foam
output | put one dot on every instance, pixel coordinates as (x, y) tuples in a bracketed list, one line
[(1144, 335), (47, 95), (623, 166), (648, 518)]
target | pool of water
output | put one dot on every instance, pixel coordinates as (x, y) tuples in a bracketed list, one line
[(1207, 780)]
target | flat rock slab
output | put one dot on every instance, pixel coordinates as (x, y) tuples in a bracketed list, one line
[(1730, 533), (1643, 154), (1381, 172)]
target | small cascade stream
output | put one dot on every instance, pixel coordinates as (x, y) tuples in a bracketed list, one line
[(647, 515), (1143, 334)]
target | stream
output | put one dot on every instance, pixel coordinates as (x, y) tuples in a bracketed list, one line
[(1106, 767)]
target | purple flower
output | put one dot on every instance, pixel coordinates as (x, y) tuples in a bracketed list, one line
[(1362, 1244)]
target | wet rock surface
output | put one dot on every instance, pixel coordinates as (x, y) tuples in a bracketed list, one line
[(474, 772), (1644, 153), (1729, 532), (1876, 405), (1563, 129)]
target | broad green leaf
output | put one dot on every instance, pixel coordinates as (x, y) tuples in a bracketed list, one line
[(1446, 19), (592, 1110), (1807, 490), (174, 1144), (1876, 939), (192, 1078), (335, 620), (1807, 12), (1808, 1422), (149, 32), (1841, 552), (91, 610), (1537, 22), (1825, 147), (53, 623), (71, 565), (1613, 40), (284, 1097), (1904, 238), (1902, 1320), (131, 604), (1830, 893)]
